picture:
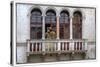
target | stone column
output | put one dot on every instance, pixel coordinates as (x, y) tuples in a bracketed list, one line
[(71, 27), (43, 32), (43, 27), (57, 27), (71, 33), (57, 31)]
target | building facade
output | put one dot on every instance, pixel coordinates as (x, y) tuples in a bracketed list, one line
[(73, 35)]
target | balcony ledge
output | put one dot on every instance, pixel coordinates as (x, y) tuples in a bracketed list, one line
[(57, 52)]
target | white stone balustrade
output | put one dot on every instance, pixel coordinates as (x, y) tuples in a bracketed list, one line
[(56, 46)]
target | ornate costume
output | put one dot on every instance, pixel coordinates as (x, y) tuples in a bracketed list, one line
[(49, 36)]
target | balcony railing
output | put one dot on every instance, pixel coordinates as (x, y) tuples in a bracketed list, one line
[(56, 46)]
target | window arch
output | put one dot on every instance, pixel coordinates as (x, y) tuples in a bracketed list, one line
[(64, 25), (77, 25), (36, 24), (50, 20)]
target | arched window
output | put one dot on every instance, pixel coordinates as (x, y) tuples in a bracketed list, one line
[(36, 24), (64, 25), (77, 25), (50, 20)]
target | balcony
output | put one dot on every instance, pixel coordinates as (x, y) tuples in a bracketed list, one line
[(56, 46)]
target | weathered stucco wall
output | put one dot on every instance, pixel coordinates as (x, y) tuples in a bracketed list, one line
[(23, 28)]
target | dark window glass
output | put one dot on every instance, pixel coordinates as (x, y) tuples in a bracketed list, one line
[(64, 25), (77, 25), (36, 24)]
